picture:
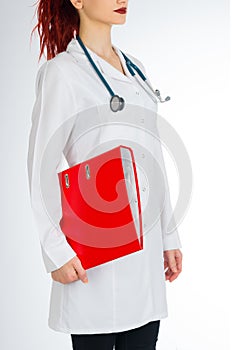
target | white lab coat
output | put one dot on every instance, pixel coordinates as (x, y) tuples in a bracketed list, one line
[(72, 121)]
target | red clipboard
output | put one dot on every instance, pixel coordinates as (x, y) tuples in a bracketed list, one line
[(101, 208)]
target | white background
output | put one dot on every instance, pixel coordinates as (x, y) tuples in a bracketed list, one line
[(185, 47)]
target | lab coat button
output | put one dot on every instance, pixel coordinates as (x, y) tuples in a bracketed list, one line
[(144, 189)]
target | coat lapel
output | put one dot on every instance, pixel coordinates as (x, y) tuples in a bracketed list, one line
[(106, 68)]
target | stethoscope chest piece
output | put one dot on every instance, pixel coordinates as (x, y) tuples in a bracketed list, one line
[(117, 103)]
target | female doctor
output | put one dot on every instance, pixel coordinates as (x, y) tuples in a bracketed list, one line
[(89, 97)]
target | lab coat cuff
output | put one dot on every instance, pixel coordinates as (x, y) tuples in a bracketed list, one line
[(171, 241), (56, 256)]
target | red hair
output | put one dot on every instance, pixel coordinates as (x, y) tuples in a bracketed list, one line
[(57, 20)]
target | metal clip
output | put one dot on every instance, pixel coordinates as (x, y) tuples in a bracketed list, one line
[(88, 175), (67, 181)]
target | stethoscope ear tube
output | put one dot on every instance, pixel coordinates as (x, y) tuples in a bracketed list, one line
[(157, 92), (130, 64)]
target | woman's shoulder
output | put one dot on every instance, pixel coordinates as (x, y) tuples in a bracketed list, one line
[(54, 69), (60, 62)]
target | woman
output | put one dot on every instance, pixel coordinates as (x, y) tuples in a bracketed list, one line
[(124, 299)]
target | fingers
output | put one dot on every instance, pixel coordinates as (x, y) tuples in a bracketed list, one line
[(76, 274), (82, 275), (179, 261), (171, 276), (172, 263)]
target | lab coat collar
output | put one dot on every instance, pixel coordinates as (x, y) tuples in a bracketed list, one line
[(106, 68)]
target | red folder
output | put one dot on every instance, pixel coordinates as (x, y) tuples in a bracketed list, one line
[(101, 208)]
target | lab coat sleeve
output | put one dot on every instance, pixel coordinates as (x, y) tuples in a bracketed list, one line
[(51, 125), (171, 240)]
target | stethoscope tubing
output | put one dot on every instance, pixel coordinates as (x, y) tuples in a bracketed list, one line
[(117, 103), (95, 67)]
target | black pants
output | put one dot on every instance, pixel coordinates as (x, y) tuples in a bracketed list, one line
[(143, 338)]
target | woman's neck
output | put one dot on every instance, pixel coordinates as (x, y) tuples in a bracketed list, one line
[(97, 37)]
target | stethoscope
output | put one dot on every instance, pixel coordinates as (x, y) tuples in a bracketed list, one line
[(117, 103)]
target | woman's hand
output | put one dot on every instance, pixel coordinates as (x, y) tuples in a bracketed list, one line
[(172, 261), (70, 272)]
